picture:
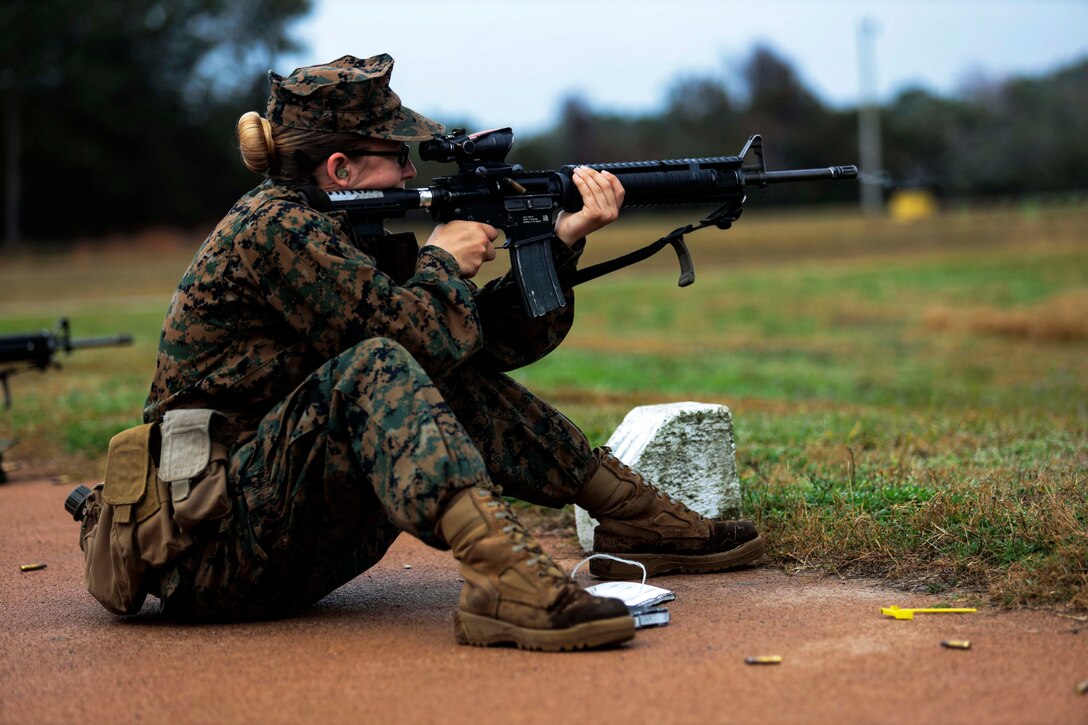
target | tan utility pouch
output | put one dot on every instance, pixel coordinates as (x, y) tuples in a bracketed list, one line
[(146, 515)]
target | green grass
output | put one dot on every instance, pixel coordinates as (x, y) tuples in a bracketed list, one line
[(910, 401), (920, 416)]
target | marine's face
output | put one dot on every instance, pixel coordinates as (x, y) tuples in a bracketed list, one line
[(380, 172)]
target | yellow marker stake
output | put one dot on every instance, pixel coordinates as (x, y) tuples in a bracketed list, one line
[(906, 613)]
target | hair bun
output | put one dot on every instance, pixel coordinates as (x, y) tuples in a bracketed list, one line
[(268, 142), (255, 142)]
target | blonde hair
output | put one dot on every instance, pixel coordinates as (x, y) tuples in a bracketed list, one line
[(288, 154)]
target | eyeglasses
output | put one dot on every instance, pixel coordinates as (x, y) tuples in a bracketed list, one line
[(401, 156)]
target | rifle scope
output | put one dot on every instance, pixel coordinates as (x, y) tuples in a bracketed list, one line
[(466, 148)]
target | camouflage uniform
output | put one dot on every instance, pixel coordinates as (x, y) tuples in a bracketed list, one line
[(357, 406)]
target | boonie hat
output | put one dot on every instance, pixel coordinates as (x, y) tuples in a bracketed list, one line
[(347, 94)]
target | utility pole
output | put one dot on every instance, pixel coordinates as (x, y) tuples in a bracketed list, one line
[(871, 161)]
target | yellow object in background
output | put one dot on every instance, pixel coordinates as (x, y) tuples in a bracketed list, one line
[(907, 205), (906, 613)]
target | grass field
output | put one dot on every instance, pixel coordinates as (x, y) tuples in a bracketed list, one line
[(910, 400)]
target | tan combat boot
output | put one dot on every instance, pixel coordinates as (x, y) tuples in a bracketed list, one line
[(641, 523), (513, 591)]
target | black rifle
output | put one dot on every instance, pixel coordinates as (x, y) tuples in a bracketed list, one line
[(19, 353), (525, 203)]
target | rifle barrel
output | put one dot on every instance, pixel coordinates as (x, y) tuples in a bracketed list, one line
[(752, 178), (87, 342)]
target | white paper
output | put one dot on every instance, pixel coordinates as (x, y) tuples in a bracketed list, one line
[(633, 594)]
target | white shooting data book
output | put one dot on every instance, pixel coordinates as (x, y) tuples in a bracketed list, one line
[(641, 601)]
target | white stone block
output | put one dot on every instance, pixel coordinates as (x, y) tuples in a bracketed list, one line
[(685, 449)]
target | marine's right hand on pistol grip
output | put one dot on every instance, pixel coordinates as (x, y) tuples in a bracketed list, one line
[(470, 243)]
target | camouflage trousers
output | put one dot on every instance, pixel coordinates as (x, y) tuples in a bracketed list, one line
[(366, 447)]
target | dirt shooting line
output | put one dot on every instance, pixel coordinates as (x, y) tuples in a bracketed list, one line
[(382, 648)]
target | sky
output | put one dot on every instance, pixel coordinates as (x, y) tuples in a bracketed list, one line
[(512, 62)]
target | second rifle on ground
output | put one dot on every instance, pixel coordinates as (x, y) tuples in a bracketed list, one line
[(37, 351)]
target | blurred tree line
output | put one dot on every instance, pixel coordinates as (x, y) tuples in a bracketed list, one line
[(704, 117), (119, 114), (1012, 137)]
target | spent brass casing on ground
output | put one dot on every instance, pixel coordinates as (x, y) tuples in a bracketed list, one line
[(955, 644), (764, 660), (31, 567)]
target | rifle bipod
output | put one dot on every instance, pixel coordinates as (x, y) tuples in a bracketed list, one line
[(5, 446)]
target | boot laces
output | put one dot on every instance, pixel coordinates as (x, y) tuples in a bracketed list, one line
[(660, 494), (525, 541)]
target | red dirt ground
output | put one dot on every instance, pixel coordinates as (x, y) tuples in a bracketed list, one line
[(381, 650)]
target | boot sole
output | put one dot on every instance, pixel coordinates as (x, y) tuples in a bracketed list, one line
[(658, 564), (481, 631)]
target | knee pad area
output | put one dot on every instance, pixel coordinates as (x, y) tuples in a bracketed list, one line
[(378, 367), (376, 354)]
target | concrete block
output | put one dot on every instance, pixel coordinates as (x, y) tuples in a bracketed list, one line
[(685, 449)]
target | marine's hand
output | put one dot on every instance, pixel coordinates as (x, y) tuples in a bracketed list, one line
[(470, 243), (602, 197)]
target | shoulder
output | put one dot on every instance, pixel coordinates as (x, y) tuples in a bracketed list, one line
[(273, 213), (276, 203)]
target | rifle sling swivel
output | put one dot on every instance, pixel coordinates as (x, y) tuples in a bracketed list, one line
[(722, 217)]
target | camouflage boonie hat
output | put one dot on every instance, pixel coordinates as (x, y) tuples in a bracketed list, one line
[(347, 94)]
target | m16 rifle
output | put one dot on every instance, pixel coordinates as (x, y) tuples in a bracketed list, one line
[(525, 204), (36, 350), (19, 353)]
